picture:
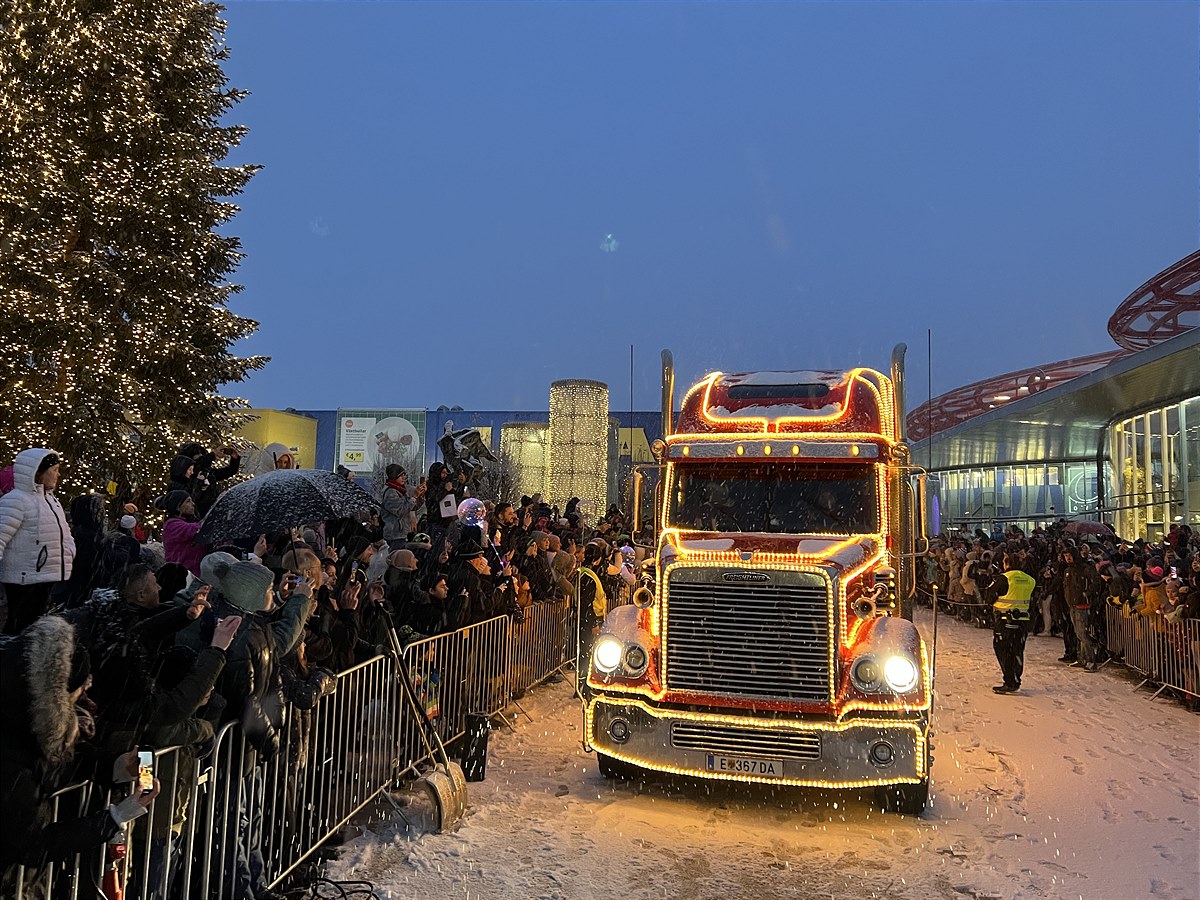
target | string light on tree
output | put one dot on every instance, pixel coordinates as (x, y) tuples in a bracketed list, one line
[(115, 330)]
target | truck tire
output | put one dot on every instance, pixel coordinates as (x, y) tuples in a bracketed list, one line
[(905, 799), (615, 769)]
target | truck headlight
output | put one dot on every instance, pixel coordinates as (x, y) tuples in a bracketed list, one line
[(900, 673), (607, 653)]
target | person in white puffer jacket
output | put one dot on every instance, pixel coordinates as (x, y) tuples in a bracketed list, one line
[(36, 545)]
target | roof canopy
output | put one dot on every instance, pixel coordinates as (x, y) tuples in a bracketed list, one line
[(1069, 421)]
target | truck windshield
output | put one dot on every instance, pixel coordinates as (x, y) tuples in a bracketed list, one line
[(787, 498)]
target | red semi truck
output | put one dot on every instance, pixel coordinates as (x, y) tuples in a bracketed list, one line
[(775, 643)]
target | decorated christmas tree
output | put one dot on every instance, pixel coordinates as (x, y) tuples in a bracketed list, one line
[(115, 330)]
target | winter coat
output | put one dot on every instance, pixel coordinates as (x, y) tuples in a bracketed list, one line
[(537, 570), (967, 578), (441, 483), (562, 567), (126, 644), (331, 635), (593, 599), (471, 599), (87, 527), (399, 513), (179, 543), (40, 754), (250, 682), (419, 613), (1080, 584), (203, 486), (36, 546)]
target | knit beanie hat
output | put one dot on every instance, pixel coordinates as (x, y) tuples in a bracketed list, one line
[(394, 471), (172, 501), (243, 584), (128, 522), (468, 549)]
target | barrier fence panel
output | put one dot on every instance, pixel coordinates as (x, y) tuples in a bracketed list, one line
[(335, 759), (1166, 653), (232, 819), (71, 878), (465, 671), (539, 645), (159, 848)]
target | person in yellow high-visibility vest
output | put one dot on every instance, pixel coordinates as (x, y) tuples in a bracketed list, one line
[(1011, 624)]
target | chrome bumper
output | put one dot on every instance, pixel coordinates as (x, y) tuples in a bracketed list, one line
[(843, 760)]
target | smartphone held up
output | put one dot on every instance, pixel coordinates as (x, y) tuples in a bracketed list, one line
[(145, 776)]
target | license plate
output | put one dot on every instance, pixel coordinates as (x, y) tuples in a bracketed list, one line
[(740, 765)]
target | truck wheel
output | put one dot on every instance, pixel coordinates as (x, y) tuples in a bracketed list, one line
[(905, 799), (615, 769)]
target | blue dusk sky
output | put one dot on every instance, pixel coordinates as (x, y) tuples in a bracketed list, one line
[(461, 202)]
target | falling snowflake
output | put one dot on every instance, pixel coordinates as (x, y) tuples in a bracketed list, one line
[(609, 244)]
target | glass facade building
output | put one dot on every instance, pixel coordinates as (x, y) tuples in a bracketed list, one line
[(1154, 470), (1120, 445)]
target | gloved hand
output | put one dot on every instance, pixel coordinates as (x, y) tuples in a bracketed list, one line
[(133, 806), (326, 682)]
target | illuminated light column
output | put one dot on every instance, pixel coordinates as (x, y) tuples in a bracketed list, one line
[(524, 458), (579, 443)]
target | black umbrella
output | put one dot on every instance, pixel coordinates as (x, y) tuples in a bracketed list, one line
[(281, 499)]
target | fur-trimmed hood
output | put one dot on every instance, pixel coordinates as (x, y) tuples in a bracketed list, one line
[(36, 666)]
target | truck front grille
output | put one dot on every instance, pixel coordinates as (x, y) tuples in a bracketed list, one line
[(768, 641), (729, 741)]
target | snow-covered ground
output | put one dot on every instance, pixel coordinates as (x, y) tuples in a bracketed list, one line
[(1075, 788)]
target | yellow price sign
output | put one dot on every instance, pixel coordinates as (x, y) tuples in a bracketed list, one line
[(354, 456)]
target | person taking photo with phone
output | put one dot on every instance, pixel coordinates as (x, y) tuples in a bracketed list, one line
[(45, 745)]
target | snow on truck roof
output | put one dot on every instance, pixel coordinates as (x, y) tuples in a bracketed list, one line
[(858, 403)]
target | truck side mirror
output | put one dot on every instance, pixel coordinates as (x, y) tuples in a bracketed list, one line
[(927, 490)]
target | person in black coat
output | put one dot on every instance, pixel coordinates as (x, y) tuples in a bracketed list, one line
[(473, 596), (531, 562), (43, 749), (87, 526), (204, 481), (424, 615), (128, 634)]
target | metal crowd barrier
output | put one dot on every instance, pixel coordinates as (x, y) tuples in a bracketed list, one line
[(64, 879), (264, 818), (1165, 654), (232, 819), (454, 674), (539, 646)]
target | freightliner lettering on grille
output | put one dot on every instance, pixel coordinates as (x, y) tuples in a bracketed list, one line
[(748, 639)]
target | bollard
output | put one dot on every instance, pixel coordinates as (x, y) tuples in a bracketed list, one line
[(475, 744)]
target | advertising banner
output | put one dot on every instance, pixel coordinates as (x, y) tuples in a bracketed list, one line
[(368, 440)]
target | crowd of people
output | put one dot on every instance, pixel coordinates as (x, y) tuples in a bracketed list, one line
[(1065, 583), (119, 637)]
